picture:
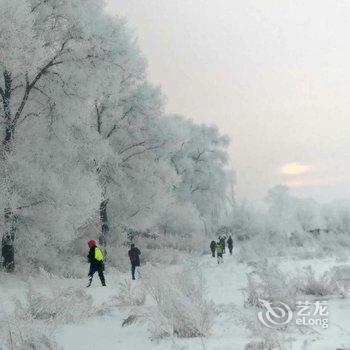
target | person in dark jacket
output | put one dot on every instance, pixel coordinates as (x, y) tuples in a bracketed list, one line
[(134, 256), (230, 244), (96, 258), (212, 248)]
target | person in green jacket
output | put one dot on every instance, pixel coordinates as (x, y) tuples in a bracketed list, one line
[(218, 249)]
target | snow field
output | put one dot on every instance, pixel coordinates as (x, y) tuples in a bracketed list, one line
[(225, 285)]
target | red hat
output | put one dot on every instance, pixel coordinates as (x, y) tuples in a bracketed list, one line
[(92, 243)]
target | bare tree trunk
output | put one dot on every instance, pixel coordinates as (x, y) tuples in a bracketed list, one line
[(104, 236), (7, 111), (10, 120), (7, 243), (103, 239), (10, 220)]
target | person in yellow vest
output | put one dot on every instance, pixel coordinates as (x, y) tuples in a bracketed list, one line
[(96, 258), (218, 249)]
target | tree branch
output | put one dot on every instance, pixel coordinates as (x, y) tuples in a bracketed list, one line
[(127, 112), (134, 214), (132, 146), (175, 166), (31, 204), (40, 90), (197, 158), (198, 188), (140, 152), (113, 129), (16, 87), (30, 85), (99, 118)]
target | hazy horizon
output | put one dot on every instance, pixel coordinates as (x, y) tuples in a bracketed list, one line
[(272, 76)]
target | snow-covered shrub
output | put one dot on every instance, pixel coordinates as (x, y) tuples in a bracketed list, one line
[(180, 306), (45, 252), (177, 220), (324, 285), (336, 216), (129, 294), (268, 282), (183, 243), (255, 345), (244, 222), (74, 266), (264, 338), (341, 276), (334, 243), (165, 256), (24, 334), (60, 304), (267, 244)]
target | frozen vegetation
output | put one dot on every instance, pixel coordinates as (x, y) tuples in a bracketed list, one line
[(87, 152)]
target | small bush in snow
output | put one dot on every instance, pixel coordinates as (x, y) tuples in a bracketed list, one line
[(181, 243), (310, 284), (268, 283), (26, 334), (180, 307), (130, 295), (62, 305), (165, 256), (266, 339), (341, 276)]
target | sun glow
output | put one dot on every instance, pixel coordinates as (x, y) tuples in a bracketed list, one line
[(295, 169)]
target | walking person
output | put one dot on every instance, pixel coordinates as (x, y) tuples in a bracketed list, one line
[(134, 255), (212, 248), (96, 258), (223, 243), (230, 244), (218, 249)]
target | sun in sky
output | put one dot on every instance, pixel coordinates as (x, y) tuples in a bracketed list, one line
[(295, 169)]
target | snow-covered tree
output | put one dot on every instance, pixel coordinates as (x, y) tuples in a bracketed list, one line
[(292, 214), (48, 50), (198, 155), (84, 137)]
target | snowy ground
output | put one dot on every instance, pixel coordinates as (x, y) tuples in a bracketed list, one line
[(225, 285)]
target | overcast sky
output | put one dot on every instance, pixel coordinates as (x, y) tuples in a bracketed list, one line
[(272, 74)]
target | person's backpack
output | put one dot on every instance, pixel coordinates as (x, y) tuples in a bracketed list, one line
[(98, 254)]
